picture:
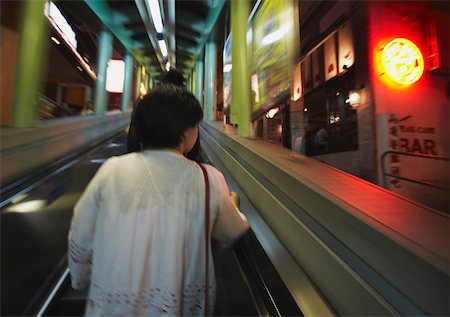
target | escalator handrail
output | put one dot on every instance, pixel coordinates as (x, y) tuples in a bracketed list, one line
[(39, 176)]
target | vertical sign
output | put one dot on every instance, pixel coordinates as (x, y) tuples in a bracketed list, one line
[(297, 83), (317, 78), (330, 64), (227, 73), (346, 51)]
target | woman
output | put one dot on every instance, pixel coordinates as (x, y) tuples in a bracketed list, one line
[(137, 236)]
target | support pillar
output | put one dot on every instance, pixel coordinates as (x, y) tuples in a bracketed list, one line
[(148, 80), (193, 81), (199, 79), (240, 81), (127, 82), (104, 54), (210, 81), (30, 64), (138, 81)]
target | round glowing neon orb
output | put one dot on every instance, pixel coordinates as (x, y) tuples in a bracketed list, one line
[(402, 61)]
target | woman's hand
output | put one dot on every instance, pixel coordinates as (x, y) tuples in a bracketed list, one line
[(235, 199)]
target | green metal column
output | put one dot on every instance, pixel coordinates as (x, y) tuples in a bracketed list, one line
[(189, 81), (199, 79), (104, 54), (240, 81), (147, 75), (151, 83), (33, 46), (210, 80), (127, 82), (138, 81), (193, 81)]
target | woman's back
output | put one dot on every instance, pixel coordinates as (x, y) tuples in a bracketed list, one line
[(137, 236), (153, 263)]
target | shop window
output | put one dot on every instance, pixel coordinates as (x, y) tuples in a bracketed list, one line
[(330, 119)]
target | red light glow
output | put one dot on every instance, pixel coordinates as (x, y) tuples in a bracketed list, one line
[(402, 61)]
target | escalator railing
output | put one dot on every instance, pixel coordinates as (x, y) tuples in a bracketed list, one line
[(248, 285)]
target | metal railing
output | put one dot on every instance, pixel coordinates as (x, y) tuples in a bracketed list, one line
[(48, 109), (421, 156)]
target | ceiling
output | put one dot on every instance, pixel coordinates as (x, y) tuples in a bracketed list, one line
[(187, 25)]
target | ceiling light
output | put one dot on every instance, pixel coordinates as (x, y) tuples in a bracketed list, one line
[(54, 39), (155, 11), (163, 47), (62, 26)]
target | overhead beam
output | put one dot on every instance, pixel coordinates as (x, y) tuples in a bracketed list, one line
[(188, 33), (213, 15), (190, 21), (105, 13)]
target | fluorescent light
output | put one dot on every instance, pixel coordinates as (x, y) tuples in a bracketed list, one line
[(155, 11), (163, 47), (54, 39)]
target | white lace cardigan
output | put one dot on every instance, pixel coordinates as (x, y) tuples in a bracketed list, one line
[(137, 235)]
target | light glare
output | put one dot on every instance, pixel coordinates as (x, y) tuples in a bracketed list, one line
[(277, 34), (271, 113), (402, 61), (28, 206)]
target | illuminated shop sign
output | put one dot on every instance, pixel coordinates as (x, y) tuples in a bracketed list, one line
[(402, 61), (271, 113), (271, 52), (227, 66), (338, 56), (52, 12), (346, 55), (115, 76)]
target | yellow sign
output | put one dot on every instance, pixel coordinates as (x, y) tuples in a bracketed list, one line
[(402, 61)]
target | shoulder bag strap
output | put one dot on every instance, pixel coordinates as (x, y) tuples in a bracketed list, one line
[(205, 174)]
